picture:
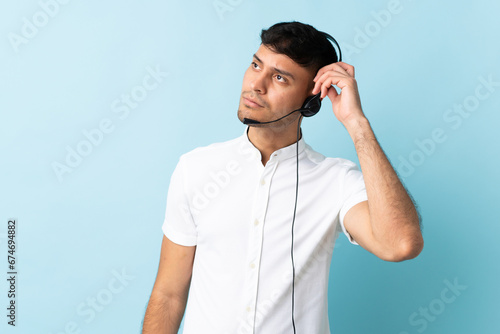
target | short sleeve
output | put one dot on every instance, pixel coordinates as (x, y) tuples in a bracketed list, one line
[(353, 192), (179, 225)]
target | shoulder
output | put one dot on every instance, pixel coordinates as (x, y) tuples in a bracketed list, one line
[(210, 155), (328, 163)]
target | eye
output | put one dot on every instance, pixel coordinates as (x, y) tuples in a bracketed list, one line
[(254, 65), (280, 78)]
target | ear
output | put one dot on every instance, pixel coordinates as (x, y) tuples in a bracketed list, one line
[(310, 88)]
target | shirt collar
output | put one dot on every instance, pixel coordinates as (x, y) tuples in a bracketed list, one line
[(281, 154)]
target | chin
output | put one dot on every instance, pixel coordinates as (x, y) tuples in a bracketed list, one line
[(241, 115)]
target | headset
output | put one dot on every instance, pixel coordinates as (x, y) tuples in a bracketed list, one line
[(310, 107)]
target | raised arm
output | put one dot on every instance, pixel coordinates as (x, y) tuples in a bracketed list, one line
[(388, 224)]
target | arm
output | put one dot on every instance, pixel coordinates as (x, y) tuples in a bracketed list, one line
[(169, 296), (387, 224)]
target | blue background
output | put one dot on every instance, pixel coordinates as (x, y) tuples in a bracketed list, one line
[(415, 67)]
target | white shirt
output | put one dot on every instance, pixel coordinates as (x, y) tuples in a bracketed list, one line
[(239, 215)]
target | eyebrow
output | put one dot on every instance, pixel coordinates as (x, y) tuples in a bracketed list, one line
[(285, 73)]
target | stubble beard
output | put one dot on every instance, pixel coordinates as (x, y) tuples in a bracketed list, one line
[(278, 126)]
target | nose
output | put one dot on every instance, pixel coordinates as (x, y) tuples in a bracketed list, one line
[(258, 83)]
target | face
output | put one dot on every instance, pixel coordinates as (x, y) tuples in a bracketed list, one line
[(273, 86)]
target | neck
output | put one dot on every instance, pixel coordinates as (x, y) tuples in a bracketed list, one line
[(269, 139)]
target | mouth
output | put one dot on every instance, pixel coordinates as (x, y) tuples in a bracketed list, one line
[(251, 103)]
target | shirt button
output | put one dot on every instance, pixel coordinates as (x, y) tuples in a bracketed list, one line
[(262, 182), (252, 265), (248, 309), (256, 222)]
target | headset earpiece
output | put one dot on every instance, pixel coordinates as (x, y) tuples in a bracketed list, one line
[(311, 105)]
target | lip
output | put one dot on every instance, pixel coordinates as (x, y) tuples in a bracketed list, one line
[(251, 103)]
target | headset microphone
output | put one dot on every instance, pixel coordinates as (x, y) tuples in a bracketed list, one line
[(250, 121), (310, 108)]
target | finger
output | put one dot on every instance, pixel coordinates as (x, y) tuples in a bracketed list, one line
[(320, 73), (347, 67), (332, 77), (326, 86), (341, 82), (329, 81), (343, 68), (337, 73), (322, 86), (323, 70), (324, 90), (339, 67), (332, 93)]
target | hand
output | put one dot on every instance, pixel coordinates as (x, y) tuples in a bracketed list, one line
[(346, 105)]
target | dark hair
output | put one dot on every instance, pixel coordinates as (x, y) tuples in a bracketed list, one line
[(301, 42)]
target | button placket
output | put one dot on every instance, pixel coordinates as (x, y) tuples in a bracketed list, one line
[(261, 202)]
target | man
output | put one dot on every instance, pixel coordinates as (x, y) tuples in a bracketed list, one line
[(230, 207)]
